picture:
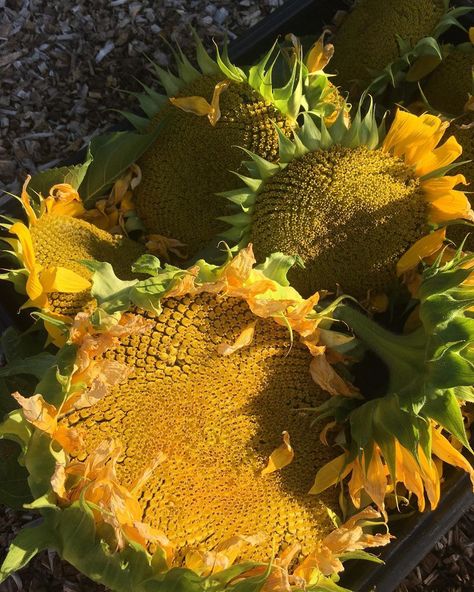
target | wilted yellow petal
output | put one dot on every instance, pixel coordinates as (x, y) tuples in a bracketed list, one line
[(58, 481), (375, 482), (328, 379), (163, 246), (215, 113), (25, 200), (68, 438), (36, 411), (447, 453), (243, 340), (320, 561), (280, 457), (60, 279), (196, 105), (63, 200), (330, 474), (319, 55)]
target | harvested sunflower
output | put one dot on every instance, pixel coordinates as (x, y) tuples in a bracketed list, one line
[(177, 435), (450, 87), (380, 39), (50, 248), (397, 437), (356, 207), (205, 116)]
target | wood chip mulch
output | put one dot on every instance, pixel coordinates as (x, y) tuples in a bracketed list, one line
[(63, 64)]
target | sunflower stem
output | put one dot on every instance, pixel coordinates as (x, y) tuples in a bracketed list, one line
[(402, 354)]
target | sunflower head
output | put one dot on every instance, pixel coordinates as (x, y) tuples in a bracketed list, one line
[(382, 43), (353, 205), (393, 437), (51, 245), (450, 86), (206, 114), (176, 435)]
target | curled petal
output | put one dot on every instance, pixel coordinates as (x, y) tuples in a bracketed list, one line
[(280, 457), (37, 412), (328, 379), (243, 340)]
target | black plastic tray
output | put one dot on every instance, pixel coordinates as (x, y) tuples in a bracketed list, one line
[(415, 535)]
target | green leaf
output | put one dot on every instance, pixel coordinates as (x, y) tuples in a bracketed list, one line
[(42, 182), (50, 386), (148, 264), (112, 155), (34, 366), (112, 293), (19, 345), (16, 428), (14, 490), (24, 547)]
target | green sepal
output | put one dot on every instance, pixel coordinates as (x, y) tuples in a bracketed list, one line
[(27, 543), (446, 411), (277, 265), (360, 555), (141, 124), (206, 63)]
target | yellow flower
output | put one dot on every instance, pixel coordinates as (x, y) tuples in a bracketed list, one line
[(42, 281), (355, 208), (415, 139)]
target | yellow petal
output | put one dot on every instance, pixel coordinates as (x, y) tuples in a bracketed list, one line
[(431, 478), (319, 55), (64, 200), (320, 561), (328, 379), (375, 482), (39, 413), (60, 279), (471, 34), (426, 246), (196, 105), (330, 474), (243, 340), (27, 250), (447, 453), (210, 562), (58, 481), (436, 159), (413, 136), (280, 457), (409, 473), (25, 199), (68, 438), (215, 113), (34, 287)]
